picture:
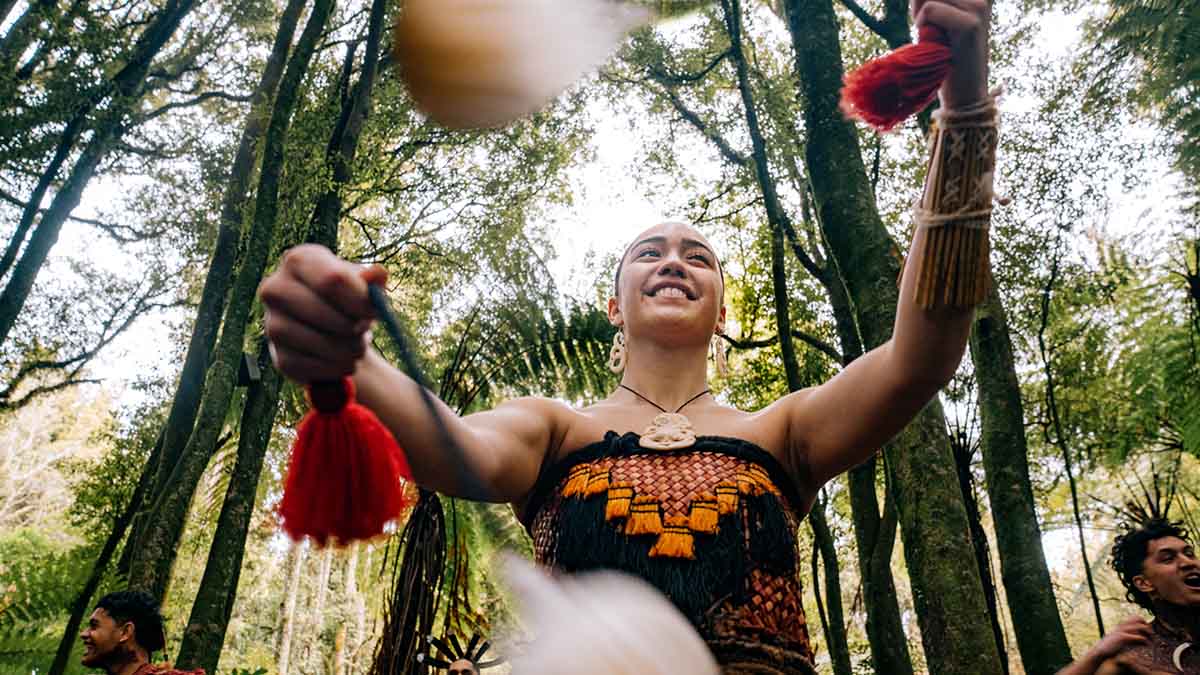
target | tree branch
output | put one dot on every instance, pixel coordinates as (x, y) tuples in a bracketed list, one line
[(866, 18), (661, 75), (809, 339), (726, 149), (196, 100)]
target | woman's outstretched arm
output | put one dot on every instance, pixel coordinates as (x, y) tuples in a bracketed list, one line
[(317, 318)]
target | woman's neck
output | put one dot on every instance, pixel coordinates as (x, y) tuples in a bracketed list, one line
[(666, 376)]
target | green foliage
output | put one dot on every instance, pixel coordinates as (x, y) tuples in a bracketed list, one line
[(525, 346), (38, 582), (1149, 50), (104, 485)]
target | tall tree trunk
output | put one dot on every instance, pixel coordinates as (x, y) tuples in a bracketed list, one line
[(6, 7), (1058, 438), (82, 601), (349, 601), (947, 591), (963, 452), (23, 31), (289, 607), (185, 403), (66, 143), (343, 142), (839, 649), (360, 614), (835, 621), (126, 88), (779, 222), (150, 569), (318, 611), (875, 537), (204, 636), (874, 534), (1037, 624)]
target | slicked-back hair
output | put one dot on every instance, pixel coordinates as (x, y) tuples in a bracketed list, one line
[(140, 609), (1130, 548)]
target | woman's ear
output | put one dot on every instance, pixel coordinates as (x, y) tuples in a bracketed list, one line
[(614, 312), (721, 320)]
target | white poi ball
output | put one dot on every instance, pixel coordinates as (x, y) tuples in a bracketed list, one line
[(486, 63), (602, 623)]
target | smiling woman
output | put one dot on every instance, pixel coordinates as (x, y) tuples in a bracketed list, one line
[(659, 479)]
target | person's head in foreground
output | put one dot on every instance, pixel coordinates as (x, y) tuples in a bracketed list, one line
[(123, 631), (1158, 566)]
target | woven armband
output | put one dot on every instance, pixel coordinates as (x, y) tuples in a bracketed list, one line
[(955, 210)]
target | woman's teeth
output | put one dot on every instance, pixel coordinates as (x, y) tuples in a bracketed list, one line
[(670, 292)]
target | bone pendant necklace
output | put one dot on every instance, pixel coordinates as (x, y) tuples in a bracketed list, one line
[(669, 430)]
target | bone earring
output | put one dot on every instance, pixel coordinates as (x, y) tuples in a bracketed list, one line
[(719, 357), (616, 355)]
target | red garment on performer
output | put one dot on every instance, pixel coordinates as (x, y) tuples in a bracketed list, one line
[(160, 669), (712, 526)]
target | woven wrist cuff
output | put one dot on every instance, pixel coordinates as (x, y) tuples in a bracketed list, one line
[(956, 208)]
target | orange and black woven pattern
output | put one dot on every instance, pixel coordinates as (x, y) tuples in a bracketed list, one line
[(712, 526)]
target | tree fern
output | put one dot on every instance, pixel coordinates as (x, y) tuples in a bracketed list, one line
[(1151, 50), (37, 587), (526, 345)]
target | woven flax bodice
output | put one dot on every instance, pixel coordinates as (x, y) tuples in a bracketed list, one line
[(712, 526)]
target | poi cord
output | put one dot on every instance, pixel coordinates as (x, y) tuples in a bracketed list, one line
[(346, 480), (470, 483)]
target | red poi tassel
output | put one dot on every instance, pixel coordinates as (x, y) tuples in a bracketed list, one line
[(344, 479), (888, 90)]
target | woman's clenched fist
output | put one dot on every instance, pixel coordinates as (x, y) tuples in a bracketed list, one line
[(318, 313)]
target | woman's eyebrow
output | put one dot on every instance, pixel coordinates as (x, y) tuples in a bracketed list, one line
[(698, 244), (650, 240), (689, 243)]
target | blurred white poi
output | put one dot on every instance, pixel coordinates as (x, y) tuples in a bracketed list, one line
[(602, 623), (486, 63)]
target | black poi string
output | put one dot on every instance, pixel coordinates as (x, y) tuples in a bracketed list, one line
[(470, 483)]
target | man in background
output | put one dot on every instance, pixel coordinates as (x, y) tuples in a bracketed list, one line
[(124, 629), (1160, 571)]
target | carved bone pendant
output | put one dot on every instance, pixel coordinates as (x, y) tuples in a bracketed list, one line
[(668, 431)]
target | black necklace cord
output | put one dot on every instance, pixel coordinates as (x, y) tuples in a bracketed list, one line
[(470, 483), (676, 411)]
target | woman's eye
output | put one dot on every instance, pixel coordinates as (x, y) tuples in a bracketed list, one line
[(701, 258), (647, 252)]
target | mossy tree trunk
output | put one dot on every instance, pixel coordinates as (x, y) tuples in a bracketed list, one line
[(181, 417), (964, 451), (288, 626), (874, 533), (150, 568), (1037, 624), (835, 624), (204, 635), (947, 591)]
